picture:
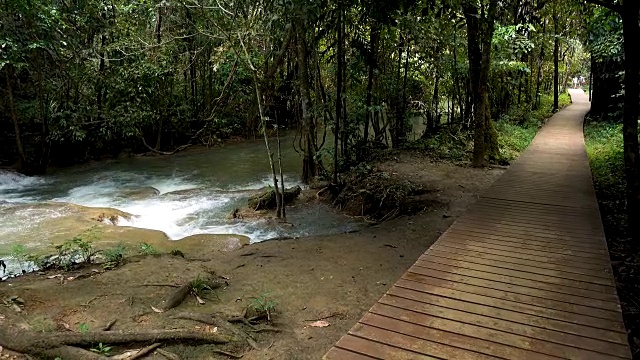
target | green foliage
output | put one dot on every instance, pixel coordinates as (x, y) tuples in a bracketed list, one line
[(263, 304), (43, 324), (606, 158), (19, 252), (517, 129), (147, 249), (83, 328), (102, 349), (605, 35), (80, 249), (114, 256), (446, 145), (199, 286)]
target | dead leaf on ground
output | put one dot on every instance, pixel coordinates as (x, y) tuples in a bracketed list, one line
[(320, 323)]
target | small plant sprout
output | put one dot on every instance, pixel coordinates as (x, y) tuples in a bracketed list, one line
[(264, 305), (147, 249), (114, 257), (102, 349), (19, 252), (198, 287), (83, 328)]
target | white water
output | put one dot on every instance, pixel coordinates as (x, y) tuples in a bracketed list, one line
[(196, 193)]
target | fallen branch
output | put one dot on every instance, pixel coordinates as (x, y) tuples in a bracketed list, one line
[(341, 315), (177, 297), (221, 352), (210, 320), (144, 351), (38, 343), (179, 148), (158, 284), (265, 329), (71, 353), (109, 325)]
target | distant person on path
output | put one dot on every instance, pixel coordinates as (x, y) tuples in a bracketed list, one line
[(575, 82)]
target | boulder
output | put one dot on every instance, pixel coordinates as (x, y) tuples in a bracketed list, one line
[(267, 199)]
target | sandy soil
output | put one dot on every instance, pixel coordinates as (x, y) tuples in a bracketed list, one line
[(335, 278)]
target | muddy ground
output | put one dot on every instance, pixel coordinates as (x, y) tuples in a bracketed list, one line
[(332, 278)]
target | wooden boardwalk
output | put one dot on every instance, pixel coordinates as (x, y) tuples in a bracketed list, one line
[(524, 274)]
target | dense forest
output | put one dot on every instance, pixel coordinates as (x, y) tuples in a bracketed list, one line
[(87, 79)]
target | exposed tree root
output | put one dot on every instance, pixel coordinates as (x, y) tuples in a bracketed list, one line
[(109, 325), (177, 297), (46, 344), (71, 353), (233, 356), (221, 323), (144, 351)]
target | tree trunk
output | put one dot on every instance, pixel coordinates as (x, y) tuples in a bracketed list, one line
[(267, 80), (540, 62), (371, 63), (480, 28), (556, 49), (631, 33), (436, 99), (336, 129), (309, 165), (158, 33), (22, 161), (256, 85)]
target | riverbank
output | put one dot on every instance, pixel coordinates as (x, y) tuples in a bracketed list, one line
[(331, 278)]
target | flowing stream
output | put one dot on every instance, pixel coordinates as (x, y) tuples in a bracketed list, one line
[(196, 190)]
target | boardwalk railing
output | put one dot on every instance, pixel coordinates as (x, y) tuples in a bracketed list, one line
[(524, 274)]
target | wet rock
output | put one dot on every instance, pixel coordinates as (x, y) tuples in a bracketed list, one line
[(216, 242), (267, 200), (140, 193)]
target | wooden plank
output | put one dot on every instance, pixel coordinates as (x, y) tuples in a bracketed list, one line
[(560, 223), (415, 343), (552, 261), (499, 227), (530, 309), (534, 280), (529, 235), (489, 334), (595, 299), (534, 207), (528, 246), (538, 299), (341, 354), (534, 225), (495, 311), (477, 345), (603, 276), (533, 332), (377, 350), (534, 213)]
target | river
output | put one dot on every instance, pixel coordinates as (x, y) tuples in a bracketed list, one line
[(196, 190)]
